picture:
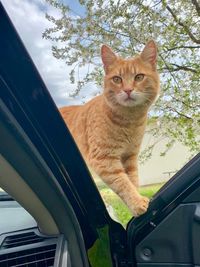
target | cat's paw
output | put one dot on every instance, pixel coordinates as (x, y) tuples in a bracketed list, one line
[(141, 206)]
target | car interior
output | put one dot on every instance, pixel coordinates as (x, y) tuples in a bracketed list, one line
[(27, 239), (51, 217)]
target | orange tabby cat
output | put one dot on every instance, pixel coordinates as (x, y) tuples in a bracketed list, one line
[(109, 129)]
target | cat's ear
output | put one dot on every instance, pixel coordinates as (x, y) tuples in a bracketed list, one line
[(108, 56), (149, 53)]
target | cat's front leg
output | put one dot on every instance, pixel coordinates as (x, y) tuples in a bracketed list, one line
[(114, 175), (130, 165)]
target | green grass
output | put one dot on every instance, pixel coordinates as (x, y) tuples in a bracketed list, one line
[(122, 212), (120, 209), (150, 190)]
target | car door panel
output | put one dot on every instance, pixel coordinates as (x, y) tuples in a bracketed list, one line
[(174, 240), (169, 233)]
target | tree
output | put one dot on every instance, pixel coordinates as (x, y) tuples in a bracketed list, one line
[(126, 26)]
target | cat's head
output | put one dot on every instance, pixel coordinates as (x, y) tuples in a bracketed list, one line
[(131, 82)]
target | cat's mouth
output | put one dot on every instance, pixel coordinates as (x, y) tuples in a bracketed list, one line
[(131, 101), (128, 100)]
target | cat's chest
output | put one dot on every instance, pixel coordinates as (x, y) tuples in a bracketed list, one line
[(107, 134), (129, 135), (125, 139), (126, 129), (131, 141)]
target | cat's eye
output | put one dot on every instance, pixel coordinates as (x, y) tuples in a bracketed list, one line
[(139, 77), (117, 79)]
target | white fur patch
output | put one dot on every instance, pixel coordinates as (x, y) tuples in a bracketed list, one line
[(135, 98)]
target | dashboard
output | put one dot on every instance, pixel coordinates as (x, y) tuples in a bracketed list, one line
[(22, 244)]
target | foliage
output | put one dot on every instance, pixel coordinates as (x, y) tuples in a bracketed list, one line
[(126, 26), (99, 253)]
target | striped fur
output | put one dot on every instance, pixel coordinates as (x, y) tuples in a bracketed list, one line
[(109, 132)]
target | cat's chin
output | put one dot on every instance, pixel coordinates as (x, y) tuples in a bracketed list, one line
[(129, 102), (133, 100)]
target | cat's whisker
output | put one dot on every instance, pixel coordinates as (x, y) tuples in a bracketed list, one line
[(148, 93), (147, 98)]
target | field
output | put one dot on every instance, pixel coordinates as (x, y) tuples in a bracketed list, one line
[(120, 210)]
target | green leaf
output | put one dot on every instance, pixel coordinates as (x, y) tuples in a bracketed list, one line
[(99, 254)]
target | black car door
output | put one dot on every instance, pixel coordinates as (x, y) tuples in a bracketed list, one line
[(169, 233)]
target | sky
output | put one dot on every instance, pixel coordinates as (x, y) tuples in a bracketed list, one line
[(28, 17)]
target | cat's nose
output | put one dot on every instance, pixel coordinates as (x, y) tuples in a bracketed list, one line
[(128, 91)]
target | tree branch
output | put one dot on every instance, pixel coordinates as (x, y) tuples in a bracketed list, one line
[(197, 6), (177, 84), (192, 37), (178, 67), (183, 47), (179, 113)]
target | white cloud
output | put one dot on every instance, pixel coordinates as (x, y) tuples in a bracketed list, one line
[(29, 19)]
